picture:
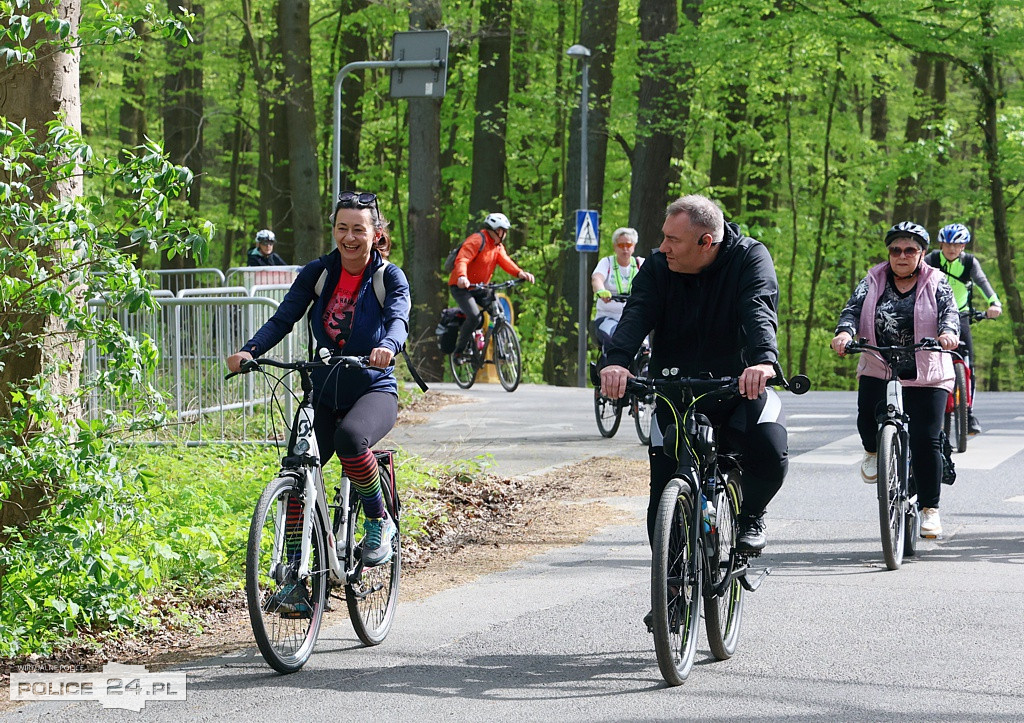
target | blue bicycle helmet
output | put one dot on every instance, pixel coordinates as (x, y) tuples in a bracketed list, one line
[(908, 229), (954, 233)]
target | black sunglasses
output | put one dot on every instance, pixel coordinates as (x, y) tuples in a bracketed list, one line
[(351, 199)]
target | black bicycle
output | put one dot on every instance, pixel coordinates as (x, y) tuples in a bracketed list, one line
[(506, 353), (608, 411), (960, 399), (898, 511), (695, 556), (302, 548)]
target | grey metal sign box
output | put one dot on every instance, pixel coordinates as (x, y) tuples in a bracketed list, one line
[(428, 82)]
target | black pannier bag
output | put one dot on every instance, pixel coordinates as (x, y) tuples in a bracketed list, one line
[(448, 329)]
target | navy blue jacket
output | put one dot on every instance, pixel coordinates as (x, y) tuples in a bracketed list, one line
[(373, 325), (718, 321)]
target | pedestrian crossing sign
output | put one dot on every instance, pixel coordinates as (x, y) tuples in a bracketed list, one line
[(587, 238)]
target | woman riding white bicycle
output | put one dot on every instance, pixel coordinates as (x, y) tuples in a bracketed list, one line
[(355, 407), (898, 303)]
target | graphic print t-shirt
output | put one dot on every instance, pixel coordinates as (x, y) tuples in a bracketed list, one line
[(341, 307)]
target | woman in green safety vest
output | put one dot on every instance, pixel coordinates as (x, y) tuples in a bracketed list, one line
[(613, 275), (964, 273)]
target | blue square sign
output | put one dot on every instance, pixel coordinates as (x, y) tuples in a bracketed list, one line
[(587, 236)]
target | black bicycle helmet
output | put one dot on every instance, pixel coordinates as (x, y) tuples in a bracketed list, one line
[(954, 233), (908, 229)]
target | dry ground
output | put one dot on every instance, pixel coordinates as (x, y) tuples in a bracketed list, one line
[(490, 524)]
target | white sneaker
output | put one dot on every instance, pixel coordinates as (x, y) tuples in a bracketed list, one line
[(869, 467), (930, 524)]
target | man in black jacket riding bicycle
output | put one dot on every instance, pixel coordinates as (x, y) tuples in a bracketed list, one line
[(708, 295)]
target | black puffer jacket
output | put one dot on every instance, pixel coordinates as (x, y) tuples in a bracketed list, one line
[(718, 321)]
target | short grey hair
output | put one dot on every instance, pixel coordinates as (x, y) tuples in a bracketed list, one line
[(702, 212), (629, 233)]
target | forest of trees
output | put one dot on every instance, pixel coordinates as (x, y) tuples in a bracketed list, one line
[(815, 124)]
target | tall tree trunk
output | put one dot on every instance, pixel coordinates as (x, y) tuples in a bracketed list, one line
[(239, 144), (879, 134), (725, 152), (40, 93), (183, 115), (598, 25), (424, 252), (264, 132), (351, 45), (824, 218), (989, 89), (307, 227), (488, 188), (132, 129), (908, 205), (652, 153), (933, 216)]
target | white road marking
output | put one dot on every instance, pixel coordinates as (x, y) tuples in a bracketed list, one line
[(798, 429), (818, 416), (985, 451), (1018, 498), (847, 450)]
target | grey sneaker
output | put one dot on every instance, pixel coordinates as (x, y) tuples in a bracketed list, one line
[(869, 467), (377, 537)]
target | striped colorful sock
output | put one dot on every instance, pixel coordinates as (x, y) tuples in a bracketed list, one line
[(364, 474)]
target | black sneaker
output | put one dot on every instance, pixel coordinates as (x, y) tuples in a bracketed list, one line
[(751, 533), (973, 427)]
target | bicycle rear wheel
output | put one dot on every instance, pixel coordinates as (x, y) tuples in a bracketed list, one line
[(608, 412), (642, 409), (507, 356), (956, 420), (676, 578), (285, 612), (891, 496), (372, 596), (724, 614), (464, 369)]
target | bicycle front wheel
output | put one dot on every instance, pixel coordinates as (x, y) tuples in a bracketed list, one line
[(372, 596), (956, 420), (463, 368), (608, 412), (675, 584), (284, 610), (507, 356), (723, 614), (891, 496), (642, 409)]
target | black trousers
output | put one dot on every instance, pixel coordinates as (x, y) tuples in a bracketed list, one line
[(925, 406), (754, 429), (470, 301)]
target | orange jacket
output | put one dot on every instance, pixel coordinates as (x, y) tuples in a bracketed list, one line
[(479, 267)]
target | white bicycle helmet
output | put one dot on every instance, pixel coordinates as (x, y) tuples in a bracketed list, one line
[(954, 233), (265, 236), (496, 221), (911, 229)]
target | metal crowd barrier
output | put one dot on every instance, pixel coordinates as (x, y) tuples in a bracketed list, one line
[(194, 334)]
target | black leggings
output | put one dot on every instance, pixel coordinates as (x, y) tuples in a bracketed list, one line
[(357, 429), (752, 428), (925, 406), (470, 301)]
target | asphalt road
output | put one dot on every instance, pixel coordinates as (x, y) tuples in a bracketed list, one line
[(831, 635)]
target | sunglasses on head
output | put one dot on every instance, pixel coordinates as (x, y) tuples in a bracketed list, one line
[(351, 199), (897, 251)]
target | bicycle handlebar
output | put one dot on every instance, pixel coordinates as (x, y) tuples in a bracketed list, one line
[(799, 384), (494, 287), (252, 365), (856, 346)]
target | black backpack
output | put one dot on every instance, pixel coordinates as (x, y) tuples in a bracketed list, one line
[(449, 262)]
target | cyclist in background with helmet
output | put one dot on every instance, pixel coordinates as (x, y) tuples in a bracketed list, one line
[(963, 272), (263, 254), (897, 304), (474, 264)]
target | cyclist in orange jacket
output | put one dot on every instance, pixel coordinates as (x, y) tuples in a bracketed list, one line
[(475, 264)]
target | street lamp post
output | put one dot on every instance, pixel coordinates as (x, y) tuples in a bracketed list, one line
[(583, 53)]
